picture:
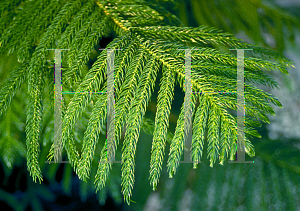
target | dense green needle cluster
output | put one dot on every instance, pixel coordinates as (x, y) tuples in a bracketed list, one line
[(150, 38)]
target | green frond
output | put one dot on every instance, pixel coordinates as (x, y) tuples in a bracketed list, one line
[(250, 63), (256, 100), (127, 89), (11, 86), (136, 113), (168, 54), (199, 126), (7, 10), (10, 38), (110, 9), (255, 107), (255, 76), (91, 137), (9, 145), (213, 133), (75, 26), (122, 62), (76, 106), (272, 55), (225, 139), (148, 38), (47, 13), (33, 122), (50, 155), (169, 18), (91, 83), (249, 90), (201, 34), (251, 132), (103, 170), (206, 35), (7, 6), (81, 56), (204, 54), (87, 27), (33, 126), (165, 98), (177, 144), (124, 58), (127, 14), (136, 14), (50, 36)]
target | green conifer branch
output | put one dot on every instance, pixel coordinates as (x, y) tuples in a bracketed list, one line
[(91, 83), (82, 55), (14, 31), (10, 146), (103, 170), (45, 17), (80, 36), (225, 140), (199, 126), (91, 137), (122, 63), (136, 113), (75, 25), (33, 126), (165, 98), (150, 38), (213, 133), (11, 86), (177, 144)]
